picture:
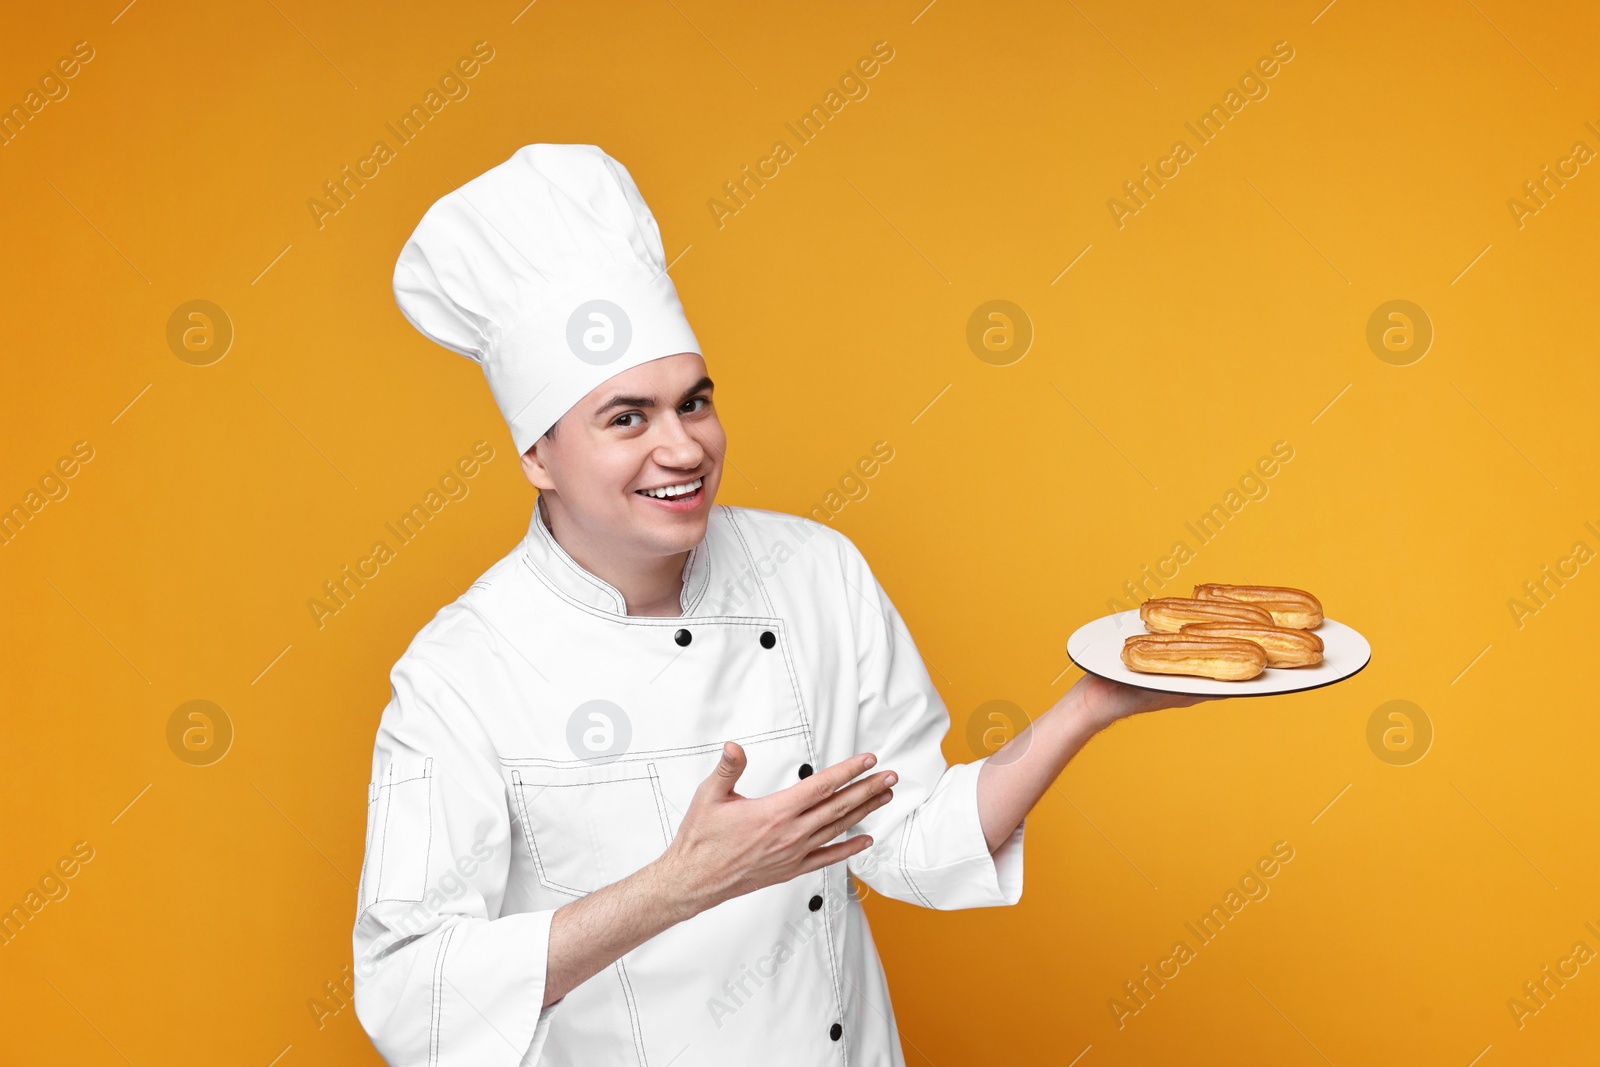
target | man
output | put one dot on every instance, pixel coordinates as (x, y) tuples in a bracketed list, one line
[(623, 781)]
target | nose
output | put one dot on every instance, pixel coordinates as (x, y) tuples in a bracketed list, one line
[(677, 447)]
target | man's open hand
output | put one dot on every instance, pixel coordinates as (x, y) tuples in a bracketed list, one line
[(1105, 701), (729, 845)]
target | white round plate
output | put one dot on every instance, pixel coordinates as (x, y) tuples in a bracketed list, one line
[(1097, 648)]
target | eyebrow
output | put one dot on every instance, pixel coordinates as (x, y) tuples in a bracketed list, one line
[(703, 385)]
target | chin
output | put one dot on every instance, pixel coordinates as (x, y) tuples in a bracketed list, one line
[(668, 532), (685, 531), (661, 543)]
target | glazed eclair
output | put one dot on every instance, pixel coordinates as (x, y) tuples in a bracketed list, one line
[(1168, 614), (1293, 608), (1225, 659), (1284, 646)]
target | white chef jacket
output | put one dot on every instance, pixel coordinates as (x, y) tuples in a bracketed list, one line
[(489, 808)]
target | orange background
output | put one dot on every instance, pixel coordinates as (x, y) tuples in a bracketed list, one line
[(1227, 315)]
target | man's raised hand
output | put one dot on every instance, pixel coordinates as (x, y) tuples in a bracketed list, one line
[(729, 845)]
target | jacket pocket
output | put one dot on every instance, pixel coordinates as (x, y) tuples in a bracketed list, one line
[(588, 826), (399, 834)]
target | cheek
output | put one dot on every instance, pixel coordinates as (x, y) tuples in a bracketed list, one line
[(715, 441), (610, 479), (596, 476)]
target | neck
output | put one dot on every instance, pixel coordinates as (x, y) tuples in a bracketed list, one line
[(651, 585)]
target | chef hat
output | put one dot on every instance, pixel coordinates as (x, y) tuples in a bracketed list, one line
[(548, 271)]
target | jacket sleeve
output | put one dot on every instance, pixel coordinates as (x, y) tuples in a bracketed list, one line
[(928, 844), (442, 976)]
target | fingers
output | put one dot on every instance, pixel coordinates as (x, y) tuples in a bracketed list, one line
[(726, 773), (826, 782), (830, 807), (839, 818), (826, 857)]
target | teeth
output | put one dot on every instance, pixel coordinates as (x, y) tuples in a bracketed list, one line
[(674, 490)]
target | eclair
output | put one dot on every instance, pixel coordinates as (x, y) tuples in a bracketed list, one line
[(1284, 646), (1226, 659), (1168, 614), (1293, 608)]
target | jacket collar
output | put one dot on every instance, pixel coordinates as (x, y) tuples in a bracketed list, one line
[(571, 580)]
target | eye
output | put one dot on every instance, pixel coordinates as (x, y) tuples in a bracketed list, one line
[(618, 421), (703, 402)]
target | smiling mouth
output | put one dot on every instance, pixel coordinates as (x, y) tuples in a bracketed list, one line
[(669, 491), (683, 491)]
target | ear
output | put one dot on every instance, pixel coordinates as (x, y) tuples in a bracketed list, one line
[(534, 469)]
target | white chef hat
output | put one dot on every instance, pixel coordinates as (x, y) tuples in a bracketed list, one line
[(548, 271)]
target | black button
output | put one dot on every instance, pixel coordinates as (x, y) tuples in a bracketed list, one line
[(805, 770), (767, 639), (683, 637), (815, 903), (836, 1032)]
